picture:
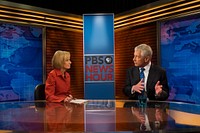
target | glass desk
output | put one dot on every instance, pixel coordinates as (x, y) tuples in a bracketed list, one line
[(99, 116)]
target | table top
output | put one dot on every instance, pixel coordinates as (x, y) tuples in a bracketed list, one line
[(99, 116)]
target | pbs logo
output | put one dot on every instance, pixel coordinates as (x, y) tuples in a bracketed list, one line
[(98, 59)]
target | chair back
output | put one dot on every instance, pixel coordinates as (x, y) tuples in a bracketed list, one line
[(39, 92)]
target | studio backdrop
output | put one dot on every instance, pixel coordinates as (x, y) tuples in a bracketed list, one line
[(180, 53), (20, 61)]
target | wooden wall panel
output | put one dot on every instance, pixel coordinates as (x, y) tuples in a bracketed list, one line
[(125, 41), (57, 39)]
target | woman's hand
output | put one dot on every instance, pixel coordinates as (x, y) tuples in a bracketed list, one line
[(68, 98)]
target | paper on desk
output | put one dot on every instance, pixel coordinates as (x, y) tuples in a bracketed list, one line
[(78, 101)]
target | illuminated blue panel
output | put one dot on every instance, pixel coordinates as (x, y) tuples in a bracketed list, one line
[(99, 56), (180, 53), (98, 34), (20, 61)]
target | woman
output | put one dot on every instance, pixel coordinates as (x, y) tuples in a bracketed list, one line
[(57, 87)]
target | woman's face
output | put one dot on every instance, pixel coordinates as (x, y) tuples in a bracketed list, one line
[(67, 64)]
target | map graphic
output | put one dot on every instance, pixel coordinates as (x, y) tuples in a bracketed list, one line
[(20, 61), (180, 53)]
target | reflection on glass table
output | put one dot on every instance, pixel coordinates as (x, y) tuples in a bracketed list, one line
[(99, 116)]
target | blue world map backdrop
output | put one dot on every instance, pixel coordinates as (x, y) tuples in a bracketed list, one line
[(20, 61), (180, 53)]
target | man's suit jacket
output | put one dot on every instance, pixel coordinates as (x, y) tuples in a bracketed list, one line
[(156, 73)]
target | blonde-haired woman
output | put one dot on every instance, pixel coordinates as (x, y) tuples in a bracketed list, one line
[(57, 86)]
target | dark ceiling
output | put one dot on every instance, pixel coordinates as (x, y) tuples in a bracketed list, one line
[(80, 7)]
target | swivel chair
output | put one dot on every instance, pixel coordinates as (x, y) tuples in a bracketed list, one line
[(39, 92)]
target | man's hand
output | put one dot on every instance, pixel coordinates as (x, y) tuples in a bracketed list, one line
[(158, 88), (138, 87)]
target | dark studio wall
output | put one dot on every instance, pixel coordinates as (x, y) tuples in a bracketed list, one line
[(72, 41), (125, 41)]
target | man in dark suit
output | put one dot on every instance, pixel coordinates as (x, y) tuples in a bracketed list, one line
[(155, 83)]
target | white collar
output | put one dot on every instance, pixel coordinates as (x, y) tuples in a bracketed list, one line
[(147, 67)]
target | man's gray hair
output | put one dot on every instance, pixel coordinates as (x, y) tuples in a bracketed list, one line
[(145, 50)]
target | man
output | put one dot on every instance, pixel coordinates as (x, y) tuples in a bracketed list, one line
[(155, 80)]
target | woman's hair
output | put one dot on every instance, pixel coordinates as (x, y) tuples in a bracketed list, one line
[(145, 50), (59, 58)]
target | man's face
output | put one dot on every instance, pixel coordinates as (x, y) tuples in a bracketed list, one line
[(138, 59)]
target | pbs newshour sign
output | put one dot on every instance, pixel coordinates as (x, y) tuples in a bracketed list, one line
[(98, 56)]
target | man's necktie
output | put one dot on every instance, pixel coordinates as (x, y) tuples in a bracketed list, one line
[(142, 73), (143, 96)]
